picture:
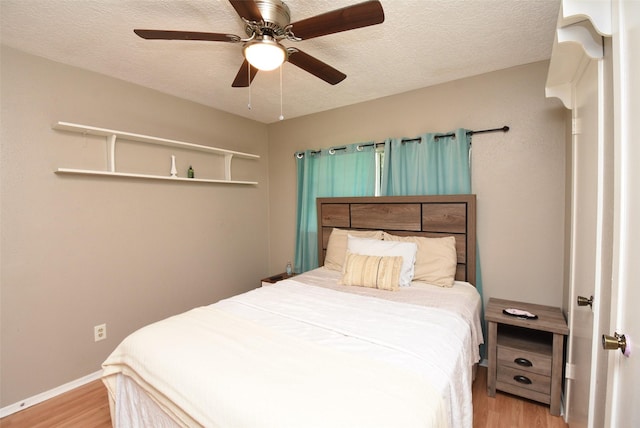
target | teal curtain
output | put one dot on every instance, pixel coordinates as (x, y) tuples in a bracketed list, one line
[(343, 171), (433, 165)]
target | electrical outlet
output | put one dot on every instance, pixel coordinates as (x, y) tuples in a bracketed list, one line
[(100, 332)]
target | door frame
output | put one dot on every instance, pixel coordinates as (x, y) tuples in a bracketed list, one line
[(580, 40)]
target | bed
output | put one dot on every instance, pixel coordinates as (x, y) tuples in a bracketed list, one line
[(311, 351)]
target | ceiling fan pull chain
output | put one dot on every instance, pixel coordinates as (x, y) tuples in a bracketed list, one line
[(281, 115), (249, 85)]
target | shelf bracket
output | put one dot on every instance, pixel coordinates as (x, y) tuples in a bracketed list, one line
[(227, 166), (111, 153)]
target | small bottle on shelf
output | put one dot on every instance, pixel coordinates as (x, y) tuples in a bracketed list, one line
[(289, 269), (190, 172)]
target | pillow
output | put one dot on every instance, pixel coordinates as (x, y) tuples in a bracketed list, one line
[(372, 271), (436, 259), (337, 245), (372, 247)]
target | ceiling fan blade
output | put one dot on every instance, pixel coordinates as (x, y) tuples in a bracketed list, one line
[(348, 18), (242, 79), (315, 66), (186, 35), (247, 9)]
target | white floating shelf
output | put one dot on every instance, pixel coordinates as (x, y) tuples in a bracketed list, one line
[(112, 135), (103, 132), (146, 176)]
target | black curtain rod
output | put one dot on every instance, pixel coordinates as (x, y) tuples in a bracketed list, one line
[(481, 131), (411, 140)]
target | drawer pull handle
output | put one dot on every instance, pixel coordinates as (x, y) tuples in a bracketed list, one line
[(523, 362), (522, 379)]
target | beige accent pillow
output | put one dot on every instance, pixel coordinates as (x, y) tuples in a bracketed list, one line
[(375, 247), (436, 259), (337, 245), (381, 272)]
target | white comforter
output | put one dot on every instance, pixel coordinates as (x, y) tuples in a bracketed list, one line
[(295, 355)]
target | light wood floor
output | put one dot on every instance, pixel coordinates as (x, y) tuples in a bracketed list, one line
[(88, 407), (506, 410)]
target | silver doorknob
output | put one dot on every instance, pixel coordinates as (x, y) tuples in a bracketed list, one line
[(618, 341), (583, 301)]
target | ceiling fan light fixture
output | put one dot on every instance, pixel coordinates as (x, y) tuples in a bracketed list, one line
[(265, 53)]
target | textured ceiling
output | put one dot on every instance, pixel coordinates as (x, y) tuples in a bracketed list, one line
[(421, 43)]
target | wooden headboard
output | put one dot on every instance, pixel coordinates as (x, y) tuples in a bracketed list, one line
[(433, 216)]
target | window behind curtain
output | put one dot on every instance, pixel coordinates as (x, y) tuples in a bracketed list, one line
[(348, 171)]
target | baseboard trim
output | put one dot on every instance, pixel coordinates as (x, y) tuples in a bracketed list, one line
[(36, 399)]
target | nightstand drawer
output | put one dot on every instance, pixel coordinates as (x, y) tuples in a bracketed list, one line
[(519, 359), (524, 380)]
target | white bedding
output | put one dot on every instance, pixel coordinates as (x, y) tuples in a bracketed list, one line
[(462, 299), (283, 355)]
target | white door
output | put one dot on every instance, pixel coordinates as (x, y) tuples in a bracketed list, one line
[(591, 243), (623, 396)]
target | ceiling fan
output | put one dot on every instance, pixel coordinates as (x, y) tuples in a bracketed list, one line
[(267, 22)]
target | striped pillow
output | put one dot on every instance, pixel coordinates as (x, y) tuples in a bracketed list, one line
[(381, 272)]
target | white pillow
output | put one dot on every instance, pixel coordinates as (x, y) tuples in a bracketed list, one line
[(374, 247)]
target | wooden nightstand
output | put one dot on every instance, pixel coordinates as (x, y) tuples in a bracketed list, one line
[(526, 356), (275, 278)]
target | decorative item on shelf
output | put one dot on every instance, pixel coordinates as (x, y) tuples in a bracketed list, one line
[(289, 269), (174, 171), (190, 173)]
